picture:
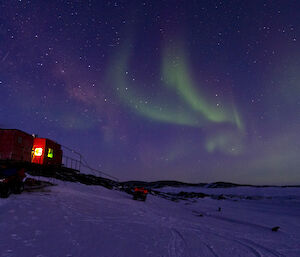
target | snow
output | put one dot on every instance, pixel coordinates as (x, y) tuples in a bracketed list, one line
[(241, 190), (71, 219)]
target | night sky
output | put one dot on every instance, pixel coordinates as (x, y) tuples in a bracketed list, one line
[(196, 91)]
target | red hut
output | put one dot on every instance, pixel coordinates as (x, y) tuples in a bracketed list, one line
[(46, 151), (15, 145)]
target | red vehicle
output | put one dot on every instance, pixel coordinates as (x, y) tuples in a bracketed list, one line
[(11, 180), (140, 193)]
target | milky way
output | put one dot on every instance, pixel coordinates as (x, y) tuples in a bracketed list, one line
[(195, 91)]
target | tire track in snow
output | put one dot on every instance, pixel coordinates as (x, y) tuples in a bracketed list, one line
[(275, 253), (255, 248), (211, 250), (258, 247), (248, 242), (235, 221), (251, 250), (177, 246), (183, 240), (172, 247)]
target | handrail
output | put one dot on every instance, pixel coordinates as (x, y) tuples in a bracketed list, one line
[(101, 172), (78, 164), (83, 163), (77, 153)]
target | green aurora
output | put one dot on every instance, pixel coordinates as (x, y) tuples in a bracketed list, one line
[(199, 110)]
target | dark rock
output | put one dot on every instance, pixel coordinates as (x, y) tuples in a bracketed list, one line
[(275, 229), (221, 197)]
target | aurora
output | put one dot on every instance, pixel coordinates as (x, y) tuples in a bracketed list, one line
[(198, 111)]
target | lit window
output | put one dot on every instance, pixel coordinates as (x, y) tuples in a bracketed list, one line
[(38, 151), (50, 153)]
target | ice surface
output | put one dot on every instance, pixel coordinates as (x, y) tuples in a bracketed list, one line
[(72, 219)]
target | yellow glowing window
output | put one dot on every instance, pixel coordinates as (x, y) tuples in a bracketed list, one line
[(50, 153), (38, 151)]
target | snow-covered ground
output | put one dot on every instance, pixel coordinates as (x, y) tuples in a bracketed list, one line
[(260, 192), (77, 220)]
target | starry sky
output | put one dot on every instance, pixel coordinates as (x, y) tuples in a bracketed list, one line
[(196, 91)]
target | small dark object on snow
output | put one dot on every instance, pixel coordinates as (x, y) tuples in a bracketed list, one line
[(140, 193), (219, 209), (198, 214), (221, 197), (275, 229)]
